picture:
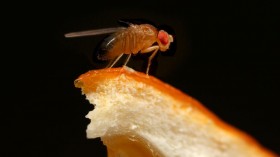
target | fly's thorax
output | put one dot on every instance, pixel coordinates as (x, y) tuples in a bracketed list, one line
[(146, 36)]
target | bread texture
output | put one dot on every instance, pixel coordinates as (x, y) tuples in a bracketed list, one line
[(134, 106)]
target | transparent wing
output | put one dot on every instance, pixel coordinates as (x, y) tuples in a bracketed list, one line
[(94, 32)]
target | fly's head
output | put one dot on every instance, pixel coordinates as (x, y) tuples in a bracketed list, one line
[(164, 40)]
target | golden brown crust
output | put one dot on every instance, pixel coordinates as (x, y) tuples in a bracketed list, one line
[(90, 79)]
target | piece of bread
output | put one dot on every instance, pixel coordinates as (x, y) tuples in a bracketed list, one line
[(138, 115)]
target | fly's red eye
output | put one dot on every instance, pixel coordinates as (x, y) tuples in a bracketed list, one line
[(163, 37)]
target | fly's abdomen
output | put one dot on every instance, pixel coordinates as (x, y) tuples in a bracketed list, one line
[(103, 52), (131, 42)]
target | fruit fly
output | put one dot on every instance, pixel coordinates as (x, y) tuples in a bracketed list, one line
[(142, 38)]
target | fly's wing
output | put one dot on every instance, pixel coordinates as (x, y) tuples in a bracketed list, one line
[(102, 50), (94, 32)]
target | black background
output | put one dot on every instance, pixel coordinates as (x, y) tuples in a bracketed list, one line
[(226, 55)]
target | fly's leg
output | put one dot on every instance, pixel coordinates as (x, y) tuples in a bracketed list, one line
[(127, 59), (150, 60), (113, 62), (149, 49)]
